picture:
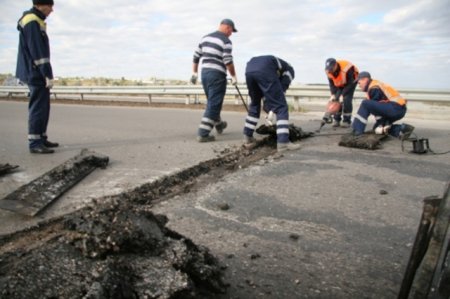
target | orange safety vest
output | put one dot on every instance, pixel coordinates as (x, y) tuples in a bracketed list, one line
[(390, 93), (341, 79)]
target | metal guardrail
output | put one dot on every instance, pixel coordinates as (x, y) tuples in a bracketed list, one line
[(192, 93)]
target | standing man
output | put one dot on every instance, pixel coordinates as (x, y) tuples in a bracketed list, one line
[(341, 78), (35, 70), (386, 104), (269, 77), (215, 51)]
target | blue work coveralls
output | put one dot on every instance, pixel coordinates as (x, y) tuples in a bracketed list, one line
[(386, 113), (268, 77), (33, 67)]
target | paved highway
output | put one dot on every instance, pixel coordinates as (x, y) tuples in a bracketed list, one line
[(313, 219)]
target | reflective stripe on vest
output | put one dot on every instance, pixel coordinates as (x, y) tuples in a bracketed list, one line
[(341, 79), (390, 93)]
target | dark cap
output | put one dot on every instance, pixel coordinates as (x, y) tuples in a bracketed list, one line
[(43, 2), (229, 22), (329, 64), (363, 75)]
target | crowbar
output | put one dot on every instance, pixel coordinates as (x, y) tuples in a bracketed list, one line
[(242, 99)]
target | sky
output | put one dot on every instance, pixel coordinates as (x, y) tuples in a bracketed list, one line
[(403, 43)]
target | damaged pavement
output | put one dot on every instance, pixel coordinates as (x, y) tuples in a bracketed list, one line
[(111, 251), (322, 222)]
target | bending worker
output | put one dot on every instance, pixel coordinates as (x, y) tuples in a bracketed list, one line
[(215, 51), (386, 104), (269, 77), (35, 70), (341, 79)]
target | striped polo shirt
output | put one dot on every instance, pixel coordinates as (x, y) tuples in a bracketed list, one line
[(215, 51)]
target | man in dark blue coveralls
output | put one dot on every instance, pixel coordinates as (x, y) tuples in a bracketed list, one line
[(386, 104), (35, 70), (269, 77)]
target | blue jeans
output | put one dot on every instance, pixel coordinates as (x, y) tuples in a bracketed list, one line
[(215, 86), (38, 114)]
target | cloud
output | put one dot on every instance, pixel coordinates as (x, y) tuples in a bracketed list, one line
[(399, 42)]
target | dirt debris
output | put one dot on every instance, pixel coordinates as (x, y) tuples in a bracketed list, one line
[(370, 141), (117, 248), (7, 168)]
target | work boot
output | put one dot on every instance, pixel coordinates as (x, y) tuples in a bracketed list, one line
[(207, 138), (41, 149), (249, 142), (336, 124), (220, 126), (345, 124), (50, 144), (405, 131), (282, 147)]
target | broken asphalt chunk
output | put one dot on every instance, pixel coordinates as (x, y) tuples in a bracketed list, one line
[(33, 197)]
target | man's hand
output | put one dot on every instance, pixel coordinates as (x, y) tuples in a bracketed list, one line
[(234, 81), (194, 78), (271, 118), (382, 130), (48, 83), (341, 98), (333, 98)]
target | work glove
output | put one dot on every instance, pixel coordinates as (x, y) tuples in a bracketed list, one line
[(194, 78), (341, 98), (271, 118), (380, 130), (234, 81), (333, 97), (48, 83)]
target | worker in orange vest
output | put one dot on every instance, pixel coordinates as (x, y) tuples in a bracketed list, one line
[(341, 78), (386, 104)]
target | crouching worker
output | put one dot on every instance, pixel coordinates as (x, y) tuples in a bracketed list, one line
[(269, 77), (386, 104)]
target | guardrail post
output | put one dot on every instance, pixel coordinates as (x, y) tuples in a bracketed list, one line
[(81, 96), (236, 99), (296, 103), (149, 98)]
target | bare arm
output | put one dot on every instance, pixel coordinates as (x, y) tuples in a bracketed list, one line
[(195, 68), (231, 70)]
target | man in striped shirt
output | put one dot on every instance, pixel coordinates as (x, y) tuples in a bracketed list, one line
[(215, 54)]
